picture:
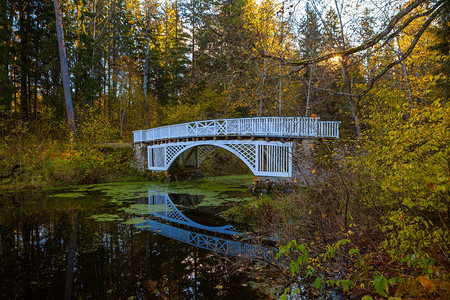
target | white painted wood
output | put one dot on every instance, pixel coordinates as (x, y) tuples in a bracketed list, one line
[(278, 161), (263, 158), (287, 127)]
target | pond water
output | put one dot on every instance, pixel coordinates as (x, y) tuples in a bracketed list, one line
[(124, 241)]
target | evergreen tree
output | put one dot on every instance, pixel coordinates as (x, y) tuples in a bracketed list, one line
[(6, 87)]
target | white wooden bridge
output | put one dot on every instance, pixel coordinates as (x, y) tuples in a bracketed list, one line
[(264, 144)]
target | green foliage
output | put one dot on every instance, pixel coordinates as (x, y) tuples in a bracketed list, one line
[(381, 285), (302, 258), (47, 162), (404, 158), (94, 127), (252, 211), (304, 263)]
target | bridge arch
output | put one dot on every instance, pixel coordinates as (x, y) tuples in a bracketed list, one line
[(199, 158), (261, 157), (274, 159)]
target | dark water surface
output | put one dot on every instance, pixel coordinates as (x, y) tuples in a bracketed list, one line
[(120, 241)]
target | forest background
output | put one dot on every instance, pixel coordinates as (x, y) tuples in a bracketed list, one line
[(380, 67)]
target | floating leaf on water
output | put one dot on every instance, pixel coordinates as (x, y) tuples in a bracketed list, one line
[(134, 221), (145, 209), (105, 218), (143, 226), (68, 195)]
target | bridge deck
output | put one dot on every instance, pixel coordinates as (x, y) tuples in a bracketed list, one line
[(281, 127)]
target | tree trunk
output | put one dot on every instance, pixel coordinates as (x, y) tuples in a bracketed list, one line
[(147, 58), (308, 90), (64, 69), (24, 61), (405, 72), (147, 49), (261, 88), (280, 92), (352, 103), (71, 259)]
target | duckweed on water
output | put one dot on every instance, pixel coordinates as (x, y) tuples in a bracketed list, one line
[(119, 192), (145, 209), (105, 217), (134, 221), (215, 191), (68, 195), (143, 226)]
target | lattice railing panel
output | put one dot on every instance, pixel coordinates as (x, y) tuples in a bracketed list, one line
[(192, 129), (221, 127), (281, 127), (173, 151), (205, 128), (247, 151)]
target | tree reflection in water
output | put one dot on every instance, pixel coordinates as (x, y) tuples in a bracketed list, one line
[(50, 248)]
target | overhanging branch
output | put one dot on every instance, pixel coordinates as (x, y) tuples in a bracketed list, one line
[(386, 33), (405, 55)]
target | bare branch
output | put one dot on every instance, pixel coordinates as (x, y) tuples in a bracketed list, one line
[(405, 55), (334, 92), (366, 45)]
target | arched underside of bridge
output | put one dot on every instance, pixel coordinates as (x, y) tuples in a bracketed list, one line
[(261, 157), (195, 156), (171, 213)]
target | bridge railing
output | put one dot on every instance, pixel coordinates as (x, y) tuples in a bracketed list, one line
[(289, 127), (208, 242)]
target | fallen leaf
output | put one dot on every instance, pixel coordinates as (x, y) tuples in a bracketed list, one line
[(427, 283), (431, 186)]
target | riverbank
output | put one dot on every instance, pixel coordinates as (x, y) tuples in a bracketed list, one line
[(30, 163), (29, 159), (351, 237)]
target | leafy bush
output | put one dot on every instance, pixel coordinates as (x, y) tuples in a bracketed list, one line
[(49, 162)]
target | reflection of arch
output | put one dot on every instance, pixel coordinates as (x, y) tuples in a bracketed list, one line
[(171, 213), (209, 242), (261, 157)]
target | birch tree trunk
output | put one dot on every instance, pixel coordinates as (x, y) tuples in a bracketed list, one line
[(147, 48), (353, 104), (308, 90), (64, 69)]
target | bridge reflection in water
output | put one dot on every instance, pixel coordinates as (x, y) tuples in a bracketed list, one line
[(169, 212), (172, 214)]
